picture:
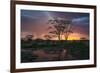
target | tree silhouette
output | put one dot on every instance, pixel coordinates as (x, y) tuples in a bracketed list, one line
[(29, 37), (60, 26), (83, 38), (67, 33), (47, 37)]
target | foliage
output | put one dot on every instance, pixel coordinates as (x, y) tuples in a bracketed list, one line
[(78, 49), (60, 27)]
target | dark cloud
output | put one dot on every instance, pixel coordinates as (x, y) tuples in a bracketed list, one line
[(35, 22)]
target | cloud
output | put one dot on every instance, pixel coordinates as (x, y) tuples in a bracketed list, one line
[(35, 22), (81, 20)]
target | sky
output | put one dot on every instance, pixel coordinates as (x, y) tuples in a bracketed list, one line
[(36, 23)]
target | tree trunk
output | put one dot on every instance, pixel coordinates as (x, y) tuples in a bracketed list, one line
[(59, 37), (66, 36)]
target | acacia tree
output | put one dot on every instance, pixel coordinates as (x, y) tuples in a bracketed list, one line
[(67, 30), (47, 37), (29, 37), (60, 27), (83, 38)]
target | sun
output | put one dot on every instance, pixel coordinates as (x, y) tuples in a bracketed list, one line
[(74, 36)]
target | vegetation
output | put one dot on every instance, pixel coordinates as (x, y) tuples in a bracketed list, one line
[(60, 27), (79, 50)]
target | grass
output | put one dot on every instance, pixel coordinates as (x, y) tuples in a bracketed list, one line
[(78, 49)]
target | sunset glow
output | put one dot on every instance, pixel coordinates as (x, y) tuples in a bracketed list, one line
[(35, 23), (74, 36)]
